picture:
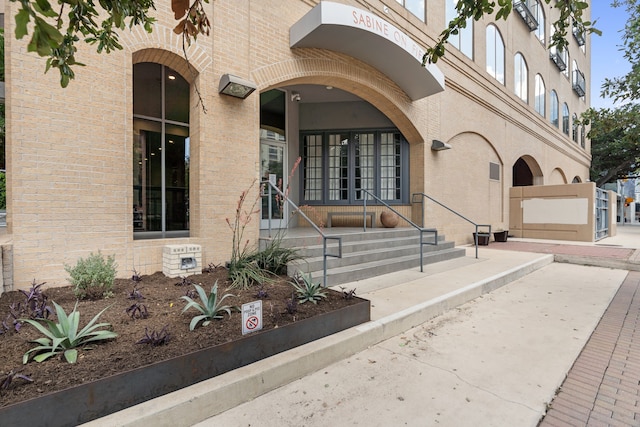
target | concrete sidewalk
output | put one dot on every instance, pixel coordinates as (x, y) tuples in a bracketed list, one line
[(495, 360)]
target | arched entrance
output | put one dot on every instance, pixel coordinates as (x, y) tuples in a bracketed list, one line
[(526, 171), (348, 149)]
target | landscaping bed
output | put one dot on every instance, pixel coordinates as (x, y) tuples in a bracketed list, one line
[(122, 357)]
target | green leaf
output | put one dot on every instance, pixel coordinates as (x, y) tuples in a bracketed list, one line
[(22, 19), (71, 355)]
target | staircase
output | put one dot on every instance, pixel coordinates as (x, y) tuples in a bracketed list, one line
[(364, 254)]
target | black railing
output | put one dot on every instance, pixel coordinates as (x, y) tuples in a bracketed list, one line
[(557, 58), (420, 229), (269, 187), (579, 85), (422, 196), (525, 13)]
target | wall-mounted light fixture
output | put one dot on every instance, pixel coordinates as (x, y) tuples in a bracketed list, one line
[(439, 145), (295, 96), (235, 86)]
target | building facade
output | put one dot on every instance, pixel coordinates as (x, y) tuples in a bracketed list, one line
[(143, 150)]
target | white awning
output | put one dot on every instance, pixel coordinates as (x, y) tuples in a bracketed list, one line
[(371, 39)]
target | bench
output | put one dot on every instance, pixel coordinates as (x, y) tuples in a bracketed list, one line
[(371, 215)]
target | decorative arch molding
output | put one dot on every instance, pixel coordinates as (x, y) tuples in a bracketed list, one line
[(452, 142), (163, 46), (329, 68), (558, 174)]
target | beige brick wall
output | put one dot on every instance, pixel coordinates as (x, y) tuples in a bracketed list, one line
[(69, 151)]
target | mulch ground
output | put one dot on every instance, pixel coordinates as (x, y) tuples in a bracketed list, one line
[(162, 299)]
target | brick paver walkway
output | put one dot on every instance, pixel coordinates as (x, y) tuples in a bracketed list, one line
[(603, 386), (565, 249)]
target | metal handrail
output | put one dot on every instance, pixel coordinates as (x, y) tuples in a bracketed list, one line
[(419, 228), (475, 235), (269, 185)]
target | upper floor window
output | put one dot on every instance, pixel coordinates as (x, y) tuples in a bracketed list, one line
[(583, 135), (554, 108), (577, 80), (574, 134), (565, 58), (416, 7), (463, 41), (540, 95), (538, 13), (565, 118), (521, 77), (495, 53)]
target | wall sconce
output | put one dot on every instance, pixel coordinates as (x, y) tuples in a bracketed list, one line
[(439, 145), (295, 96), (235, 86)]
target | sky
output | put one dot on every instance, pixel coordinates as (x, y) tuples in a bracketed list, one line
[(606, 58)]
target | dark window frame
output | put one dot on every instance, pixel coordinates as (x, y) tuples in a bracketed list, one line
[(352, 189)]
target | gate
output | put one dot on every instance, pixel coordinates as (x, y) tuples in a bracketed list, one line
[(602, 214)]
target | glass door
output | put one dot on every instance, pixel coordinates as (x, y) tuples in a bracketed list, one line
[(272, 165)]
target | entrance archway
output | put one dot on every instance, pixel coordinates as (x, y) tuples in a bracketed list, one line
[(526, 171)]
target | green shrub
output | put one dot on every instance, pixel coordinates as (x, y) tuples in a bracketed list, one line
[(275, 257), (93, 277), (209, 306), (65, 335), (306, 289)]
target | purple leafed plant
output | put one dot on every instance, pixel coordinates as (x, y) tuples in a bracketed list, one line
[(155, 338), (137, 310), (10, 377)]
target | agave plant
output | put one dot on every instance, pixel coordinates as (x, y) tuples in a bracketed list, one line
[(210, 307), (64, 336), (306, 289)]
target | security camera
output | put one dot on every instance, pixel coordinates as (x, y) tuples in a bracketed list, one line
[(295, 96)]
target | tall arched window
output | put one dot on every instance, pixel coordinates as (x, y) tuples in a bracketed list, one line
[(520, 77), (565, 118), (538, 13), (574, 132), (554, 108), (495, 53), (540, 96), (160, 152), (463, 41), (564, 54)]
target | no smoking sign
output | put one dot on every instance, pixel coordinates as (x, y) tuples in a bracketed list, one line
[(251, 317)]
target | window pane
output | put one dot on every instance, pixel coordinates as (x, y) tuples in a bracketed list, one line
[(177, 177), (339, 167), (390, 171), (312, 167), (554, 108), (540, 95), (565, 119), (416, 7), (147, 90), (463, 41), (147, 176), (520, 74), (364, 164), (177, 97)]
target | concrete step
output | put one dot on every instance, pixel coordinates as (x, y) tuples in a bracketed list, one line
[(367, 254)]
